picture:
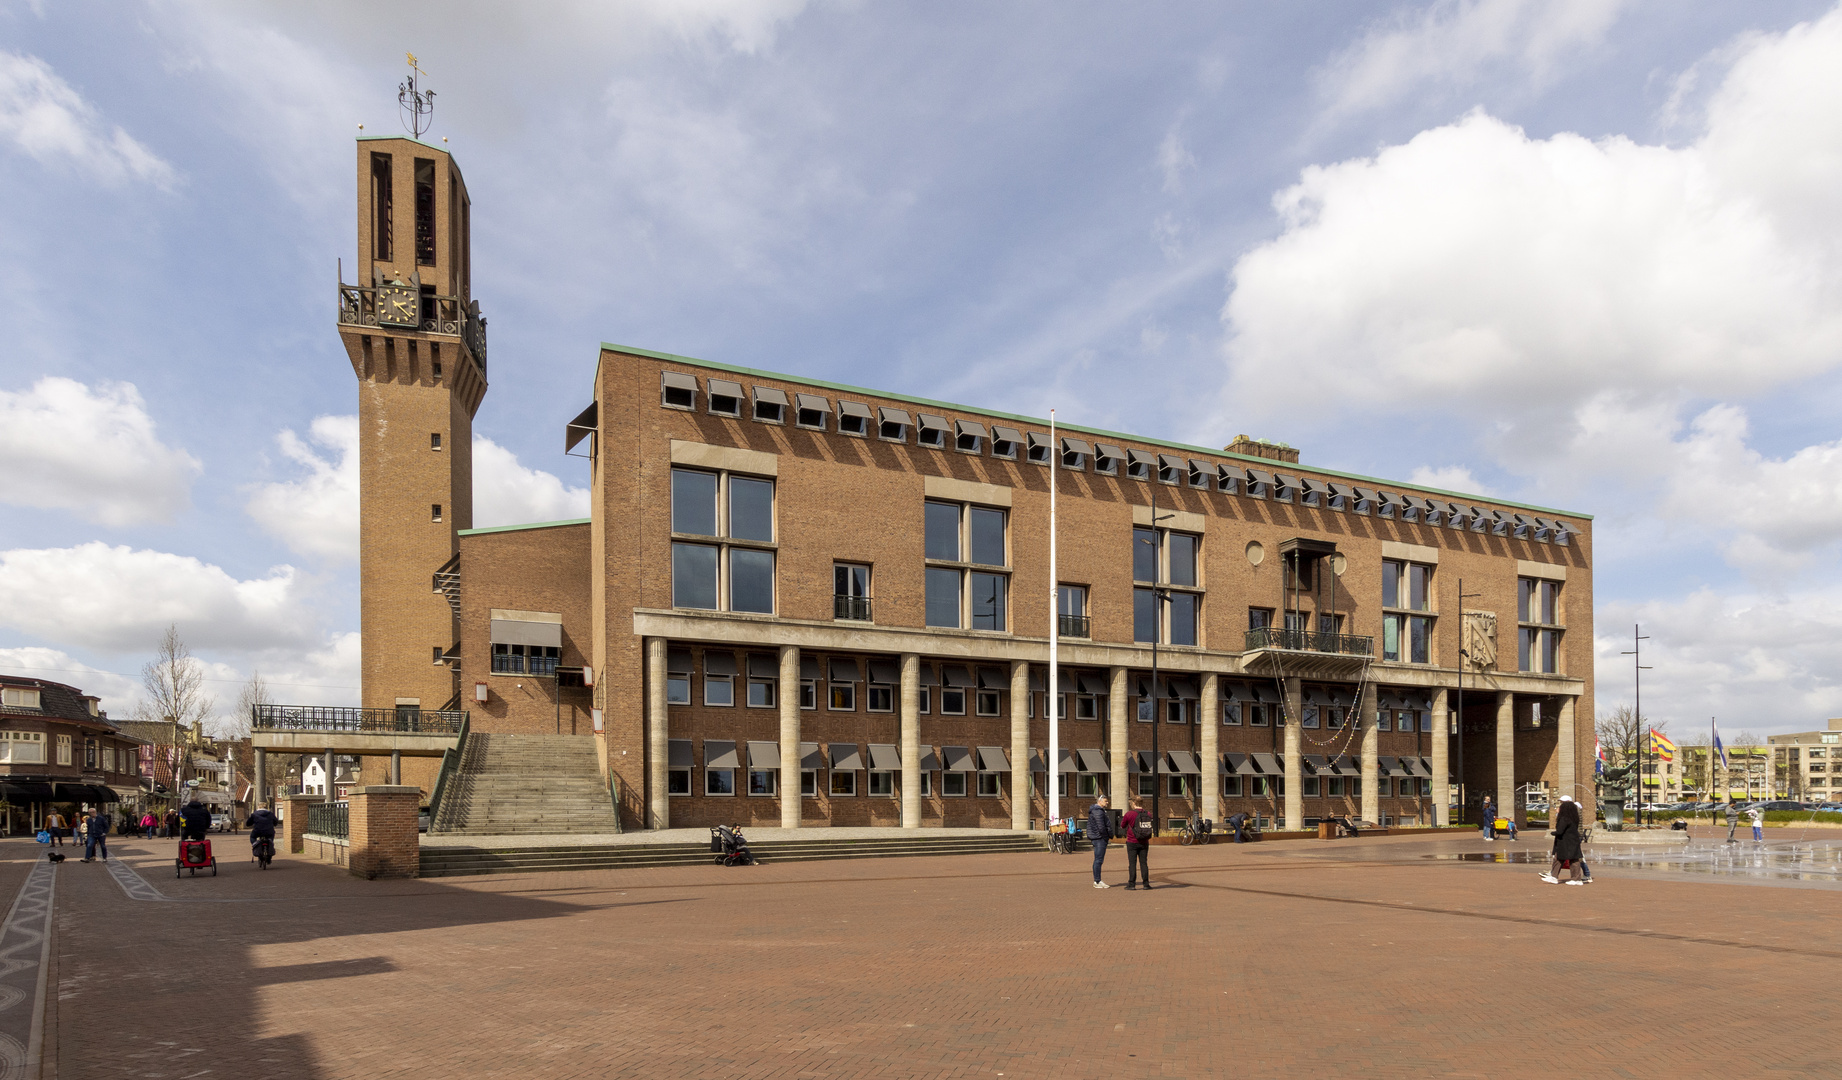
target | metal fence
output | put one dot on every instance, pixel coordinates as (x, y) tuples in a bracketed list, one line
[(358, 721), (1272, 637), (329, 819)]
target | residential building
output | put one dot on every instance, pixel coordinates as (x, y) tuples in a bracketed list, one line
[(59, 748), (799, 602), (1807, 765)]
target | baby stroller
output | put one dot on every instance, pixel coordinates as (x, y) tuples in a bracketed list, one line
[(729, 846)]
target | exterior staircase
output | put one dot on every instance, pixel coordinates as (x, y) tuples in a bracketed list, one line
[(525, 784), (454, 861)]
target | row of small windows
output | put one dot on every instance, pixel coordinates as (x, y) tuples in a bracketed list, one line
[(765, 404)]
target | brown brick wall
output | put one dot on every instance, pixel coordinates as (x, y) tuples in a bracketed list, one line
[(384, 841), (543, 569)]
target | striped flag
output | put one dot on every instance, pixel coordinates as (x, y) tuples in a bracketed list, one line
[(1661, 746), (1720, 748)]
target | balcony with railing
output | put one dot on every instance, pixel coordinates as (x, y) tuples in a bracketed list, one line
[(1072, 626), (854, 608), (1273, 637), (355, 721), (358, 306)]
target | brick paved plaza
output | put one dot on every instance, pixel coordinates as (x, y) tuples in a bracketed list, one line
[(1358, 958)]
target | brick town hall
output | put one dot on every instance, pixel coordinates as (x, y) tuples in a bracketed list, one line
[(799, 603)]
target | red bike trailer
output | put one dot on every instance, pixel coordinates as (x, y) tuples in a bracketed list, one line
[(194, 855)]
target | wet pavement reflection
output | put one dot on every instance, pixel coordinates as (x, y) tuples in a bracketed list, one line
[(1744, 860)]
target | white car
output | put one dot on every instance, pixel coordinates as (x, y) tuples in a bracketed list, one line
[(220, 822)]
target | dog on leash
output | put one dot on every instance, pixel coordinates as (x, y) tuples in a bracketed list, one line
[(55, 856)]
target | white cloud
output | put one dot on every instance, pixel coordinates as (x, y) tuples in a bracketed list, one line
[(118, 599), (1174, 160), (41, 115), (66, 446), (117, 691), (507, 493), (1448, 478), (1451, 43), (315, 514)]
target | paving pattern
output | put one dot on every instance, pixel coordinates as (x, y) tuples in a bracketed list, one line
[(1351, 958)]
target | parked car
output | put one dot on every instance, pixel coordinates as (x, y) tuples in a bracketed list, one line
[(220, 822), (1781, 804)]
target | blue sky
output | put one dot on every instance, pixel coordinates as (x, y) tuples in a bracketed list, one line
[(1584, 253)]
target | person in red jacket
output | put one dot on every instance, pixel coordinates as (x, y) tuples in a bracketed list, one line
[(1137, 826)]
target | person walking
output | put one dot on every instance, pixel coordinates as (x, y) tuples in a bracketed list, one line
[(1757, 817), (148, 824), (54, 824), (1566, 852), (172, 824), (1487, 811), (1733, 819), (1137, 827), (95, 835), (1099, 831)]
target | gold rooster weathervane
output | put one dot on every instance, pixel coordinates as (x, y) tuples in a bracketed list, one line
[(418, 104)]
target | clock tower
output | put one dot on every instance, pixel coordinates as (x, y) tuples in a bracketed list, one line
[(417, 344)]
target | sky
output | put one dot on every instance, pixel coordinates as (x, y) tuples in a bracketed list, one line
[(1582, 253)]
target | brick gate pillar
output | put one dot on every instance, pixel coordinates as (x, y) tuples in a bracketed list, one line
[(294, 821), (382, 836)]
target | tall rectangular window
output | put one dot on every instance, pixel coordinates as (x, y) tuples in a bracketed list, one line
[(942, 597), (1407, 587), (736, 573), (1538, 634), (380, 207), (970, 538), (1171, 615), (425, 212), (850, 591), (1071, 607)]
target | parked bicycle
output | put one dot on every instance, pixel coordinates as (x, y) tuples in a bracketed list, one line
[(1196, 830)]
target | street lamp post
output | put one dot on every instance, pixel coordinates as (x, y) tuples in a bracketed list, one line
[(1158, 596)]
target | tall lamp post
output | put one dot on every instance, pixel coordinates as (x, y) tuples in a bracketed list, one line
[(1158, 595), (1464, 657), (1636, 653)]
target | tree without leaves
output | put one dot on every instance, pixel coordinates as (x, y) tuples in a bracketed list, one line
[(254, 692), (174, 696), (1620, 733)]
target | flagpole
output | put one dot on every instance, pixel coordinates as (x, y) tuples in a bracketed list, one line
[(1052, 693)]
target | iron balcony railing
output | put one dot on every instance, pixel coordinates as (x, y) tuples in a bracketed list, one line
[(1072, 625), (512, 664), (439, 315), (357, 721), (1272, 637), (329, 819), (851, 607)]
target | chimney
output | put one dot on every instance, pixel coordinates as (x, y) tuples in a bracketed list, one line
[(1260, 448)]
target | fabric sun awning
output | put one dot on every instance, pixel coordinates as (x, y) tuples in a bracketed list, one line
[(967, 427), (885, 672), (1317, 763), (956, 676), (1065, 762), (893, 416), (1269, 765), (1077, 446), (719, 755), (1185, 763), (843, 669), (764, 755), (809, 668), (885, 757), (930, 761), (725, 388), (812, 403), (1037, 764), (992, 678), (845, 758), (534, 628), (1239, 764), (958, 759), (993, 759), (1093, 761), (678, 754), (810, 759)]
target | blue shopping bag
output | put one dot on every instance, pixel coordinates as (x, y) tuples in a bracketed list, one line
[(44, 836)]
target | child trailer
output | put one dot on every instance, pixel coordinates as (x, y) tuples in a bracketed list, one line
[(194, 855)]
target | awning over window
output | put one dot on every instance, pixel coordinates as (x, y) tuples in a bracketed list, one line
[(546, 631), (1201, 468), (1389, 498), (812, 402), (928, 678), (1367, 495), (1269, 765), (1037, 764), (844, 669), (1040, 442), (930, 761), (1139, 457), (679, 754), (1093, 761), (1234, 691), (1265, 693), (1239, 765), (725, 388), (1065, 761), (809, 667), (1109, 452), (1425, 766), (1093, 682), (1171, 461), (1185, 763), (764, 755), (763, 666), (967, 427), (958, 759), (809, 756), (1182, 686), (1316, 487), (887, 672), (1076, 446), (1316, 763), (1287, 480), (845, 758), (892, 416), (1138, 761), (771, 396), (993, 678), (956, 676), (1344, 490), (678, 662), (1260, 476), (1344, 765), (885, 757), (930, 422), (855, 408), (993, 759), (719, 663), (584, 424), (719, 755), (1006, 434), (1230, 477), (674, 380)]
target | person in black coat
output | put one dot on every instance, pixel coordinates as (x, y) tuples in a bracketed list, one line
[(1099, 831), (1566, 854), (196, 820)]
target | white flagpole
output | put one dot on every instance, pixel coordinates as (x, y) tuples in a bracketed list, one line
[(1052, 698)]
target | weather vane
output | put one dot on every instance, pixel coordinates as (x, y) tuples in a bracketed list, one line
[(418, 105)]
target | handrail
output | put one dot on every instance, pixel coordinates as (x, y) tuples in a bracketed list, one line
[(329, 819), (1272, 637), (359, 721), (450, 764)]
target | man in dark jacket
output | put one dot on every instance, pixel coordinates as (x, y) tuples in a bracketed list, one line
[(1136, 826), (1238, 822), (196, 820), (95, 834), (1099, 831), (262, 827)]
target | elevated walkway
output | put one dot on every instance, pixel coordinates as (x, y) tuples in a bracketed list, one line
[(446, 855), (315, 729)]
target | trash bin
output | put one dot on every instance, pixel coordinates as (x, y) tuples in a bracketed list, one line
[(1327, 830)]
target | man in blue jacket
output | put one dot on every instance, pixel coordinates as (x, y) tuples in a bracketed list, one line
[(1099, 831)]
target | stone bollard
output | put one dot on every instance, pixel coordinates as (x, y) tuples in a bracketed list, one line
[(383, 838), (294, 821)]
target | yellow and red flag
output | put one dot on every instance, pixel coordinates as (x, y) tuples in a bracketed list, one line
[(1661, 747)]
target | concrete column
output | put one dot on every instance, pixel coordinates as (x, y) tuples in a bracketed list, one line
[(1442, 758), (262, 778), (396, 768), (658, 739), (326, 762), (1371, 748), (911, 740), (1209, 715), (1569, 777), (1118, 706), (1506, 756), (1295, 761), (1021, 801), (788, 700)]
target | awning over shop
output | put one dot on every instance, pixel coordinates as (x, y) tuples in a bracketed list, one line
[(26, 792)]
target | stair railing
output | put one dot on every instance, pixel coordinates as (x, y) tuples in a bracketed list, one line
[(614, 797), (450, 765)]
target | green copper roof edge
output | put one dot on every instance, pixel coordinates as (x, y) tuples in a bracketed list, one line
[(1060, 426), (517, 528)]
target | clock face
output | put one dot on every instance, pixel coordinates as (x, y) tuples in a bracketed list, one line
[(398, 305)]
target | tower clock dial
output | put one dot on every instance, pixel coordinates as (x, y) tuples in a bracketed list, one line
[(399, 305)]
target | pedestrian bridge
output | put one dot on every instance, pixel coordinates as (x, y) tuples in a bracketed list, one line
[(317, 729)]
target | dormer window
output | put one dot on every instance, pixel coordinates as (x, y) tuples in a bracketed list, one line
[(19, 697)]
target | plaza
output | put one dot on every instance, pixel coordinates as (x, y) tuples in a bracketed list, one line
[(1374, 957)]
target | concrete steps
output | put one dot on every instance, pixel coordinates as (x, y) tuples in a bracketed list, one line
[(457, 861), (510, 785)]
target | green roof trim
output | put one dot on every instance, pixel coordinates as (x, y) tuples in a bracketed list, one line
[(520, 528), (1268, 463)]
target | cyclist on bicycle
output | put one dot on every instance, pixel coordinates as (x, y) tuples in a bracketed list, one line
[(262, 827)]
